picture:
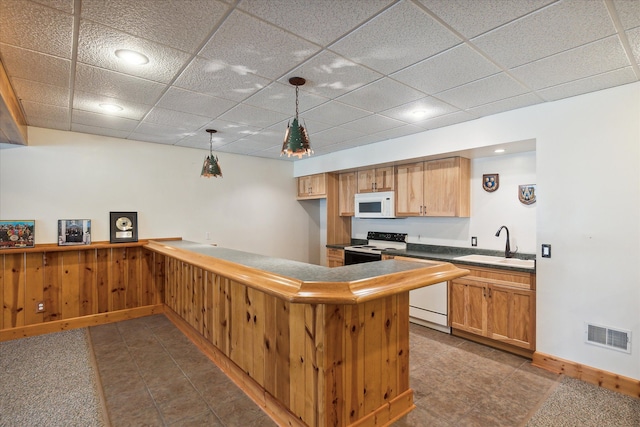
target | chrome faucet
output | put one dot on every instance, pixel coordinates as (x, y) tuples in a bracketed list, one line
[(507, 249)]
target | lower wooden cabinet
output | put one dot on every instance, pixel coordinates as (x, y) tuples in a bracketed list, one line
[(498, 305), (335, 257)]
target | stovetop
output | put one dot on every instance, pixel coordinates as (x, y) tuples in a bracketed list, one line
[(379, 241)]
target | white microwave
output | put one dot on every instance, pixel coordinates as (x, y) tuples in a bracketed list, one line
[(376, 205)]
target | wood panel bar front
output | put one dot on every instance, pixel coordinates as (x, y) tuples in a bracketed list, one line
[(317, 362)]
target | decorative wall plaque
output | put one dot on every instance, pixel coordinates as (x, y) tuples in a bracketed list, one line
[(490, 182), (527, 193)]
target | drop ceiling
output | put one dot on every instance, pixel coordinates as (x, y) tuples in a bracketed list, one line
[(375, 69)]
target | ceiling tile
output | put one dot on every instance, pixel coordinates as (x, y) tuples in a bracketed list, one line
[(104, 121), (555, 28), (380, 95), (159, 137), (330, 75), (36, 27), (589, 84), (502, 105), (402, 35), (335, 135), (628, 12), (373, 123), (180, 120), (36, 67), (86, 101), (588, 60), (446, 120), (94, 130), (282, 98), (42, 93), (634, 40), (446, 70), (117, 85), (419, 110), (335, 113), (230, 131), (42, 115), (248, 43), (253, 116), (471, 18), (484, 91), (167, 132), (301, 16), (62, 5), (183, 24), (97, 45), (219, 79), (194, 103)]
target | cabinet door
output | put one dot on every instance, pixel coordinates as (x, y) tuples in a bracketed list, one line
[(384, 180), (409, 189), (348, 184), (468, 306), (304, 186), (318, 184), (511, 316), (447, 187), (366, 180)]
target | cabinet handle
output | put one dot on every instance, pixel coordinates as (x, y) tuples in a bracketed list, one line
[(420, 210)]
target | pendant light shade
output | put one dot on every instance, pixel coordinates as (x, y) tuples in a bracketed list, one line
[(211, 167), (296, 138)]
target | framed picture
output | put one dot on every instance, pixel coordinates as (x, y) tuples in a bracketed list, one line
[(17, 234), (74, 232), (123, 226)]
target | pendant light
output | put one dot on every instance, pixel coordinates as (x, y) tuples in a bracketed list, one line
[(211, 168), (296, 138)]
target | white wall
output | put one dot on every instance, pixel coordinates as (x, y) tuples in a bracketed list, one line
[(67, 175), (588, 209), (488, 211)]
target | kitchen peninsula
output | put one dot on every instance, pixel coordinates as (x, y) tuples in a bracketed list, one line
[(312, 345)]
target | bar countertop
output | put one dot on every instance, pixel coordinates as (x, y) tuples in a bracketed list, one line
[(301, 282)]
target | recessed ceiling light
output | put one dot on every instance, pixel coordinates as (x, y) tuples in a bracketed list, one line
[(111, 108), (132, 57), (419, 113), (499, 150)]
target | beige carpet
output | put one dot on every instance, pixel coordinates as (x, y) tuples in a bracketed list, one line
[(50, 380), (575, 403)]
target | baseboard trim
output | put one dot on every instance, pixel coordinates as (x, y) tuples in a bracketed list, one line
[(625, 385), (79, 322)]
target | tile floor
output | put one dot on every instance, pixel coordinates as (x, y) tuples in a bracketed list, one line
[(153, 375)]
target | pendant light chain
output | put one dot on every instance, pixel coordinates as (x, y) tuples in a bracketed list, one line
[(297, 102)]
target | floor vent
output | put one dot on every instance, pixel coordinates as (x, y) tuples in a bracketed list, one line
[(604, 336)]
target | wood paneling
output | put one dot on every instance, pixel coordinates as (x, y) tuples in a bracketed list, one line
[(76, 282), (326, 364)]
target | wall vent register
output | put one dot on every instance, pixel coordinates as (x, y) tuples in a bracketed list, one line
[(603, 336)]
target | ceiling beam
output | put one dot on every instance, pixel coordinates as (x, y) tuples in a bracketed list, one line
[(13, 124)]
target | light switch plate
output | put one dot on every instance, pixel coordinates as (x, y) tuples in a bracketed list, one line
[(474, 241), (546, 250)]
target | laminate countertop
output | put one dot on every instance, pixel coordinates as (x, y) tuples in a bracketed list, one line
[(301, 282)]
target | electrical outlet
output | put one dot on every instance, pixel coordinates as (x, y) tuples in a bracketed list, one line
[(474, 241), (546, 250), (40, 307)]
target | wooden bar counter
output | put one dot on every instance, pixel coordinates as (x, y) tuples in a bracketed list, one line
[(312, 345)]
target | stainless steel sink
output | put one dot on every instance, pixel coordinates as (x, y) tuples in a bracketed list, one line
[(497, 260)]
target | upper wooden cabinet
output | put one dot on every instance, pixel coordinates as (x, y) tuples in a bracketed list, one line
[(312, 186), (378, 179), (434, 188), (348, 185)]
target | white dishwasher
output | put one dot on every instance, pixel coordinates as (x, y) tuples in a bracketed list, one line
[(428, 306)]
